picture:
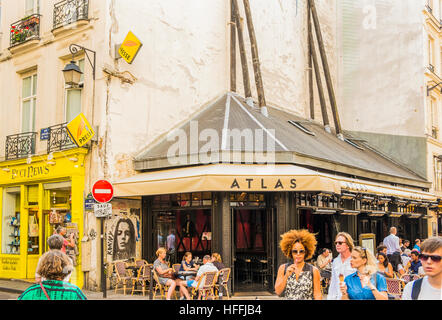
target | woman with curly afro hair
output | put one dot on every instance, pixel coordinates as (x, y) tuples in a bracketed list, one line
[(298, 280)]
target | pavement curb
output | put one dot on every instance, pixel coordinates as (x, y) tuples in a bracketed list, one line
[(10, 290)]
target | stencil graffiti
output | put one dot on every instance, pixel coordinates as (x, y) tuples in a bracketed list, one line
[(121, 237)]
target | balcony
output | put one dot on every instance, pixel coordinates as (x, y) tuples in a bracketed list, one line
[(59, 139), (20, 145), (25, 30), (70, 11)]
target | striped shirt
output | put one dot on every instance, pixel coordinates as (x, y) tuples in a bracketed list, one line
[(57, 290)]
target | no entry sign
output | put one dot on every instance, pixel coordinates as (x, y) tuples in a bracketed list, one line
[(102, 191)]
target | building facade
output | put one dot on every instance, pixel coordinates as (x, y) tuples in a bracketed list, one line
[(181, 73), (388, 87)]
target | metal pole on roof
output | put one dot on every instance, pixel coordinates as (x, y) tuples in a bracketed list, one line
[(325, 65), (255, 57), (242, 50), (232, 48)]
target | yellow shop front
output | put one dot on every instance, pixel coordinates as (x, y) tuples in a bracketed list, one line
[(36, 196)]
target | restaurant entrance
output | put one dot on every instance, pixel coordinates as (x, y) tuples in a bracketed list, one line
[(253, 248)]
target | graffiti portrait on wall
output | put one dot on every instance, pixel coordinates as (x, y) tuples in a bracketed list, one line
[(121, 240)]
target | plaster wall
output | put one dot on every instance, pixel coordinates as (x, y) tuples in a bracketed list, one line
[(382, 85), (184, 64)]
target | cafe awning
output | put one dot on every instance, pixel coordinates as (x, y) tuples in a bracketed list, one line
[(357, 186), (226, 177)]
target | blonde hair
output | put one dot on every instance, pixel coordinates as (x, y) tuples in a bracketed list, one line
[(217, 257), (186, 255), (304, 237), (160, 250), (348, 239), (371, 265)]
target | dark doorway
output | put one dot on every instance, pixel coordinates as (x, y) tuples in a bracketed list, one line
[(324, 226), (252, 250)]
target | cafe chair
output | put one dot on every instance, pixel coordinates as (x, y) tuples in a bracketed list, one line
[(195, 290), (160, 287), (123, 276), (140, 262), (223, 281), (407, 277), (143, 277), (394, 287), (208, 285)]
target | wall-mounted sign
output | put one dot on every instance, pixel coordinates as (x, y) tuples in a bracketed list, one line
[(102, 210), (89, 202), (130, 47), (80, 130), (44, 134)]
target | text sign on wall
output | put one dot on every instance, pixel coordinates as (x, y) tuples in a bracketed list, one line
[(102, 210), (130, 47)]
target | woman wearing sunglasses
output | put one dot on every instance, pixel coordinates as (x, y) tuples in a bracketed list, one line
[(298, 280), (430, 286), (365, 283)]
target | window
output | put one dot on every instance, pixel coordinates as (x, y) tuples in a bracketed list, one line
[(73, 97), (29, 99), (431, 53), (32, 7), (437, 181)]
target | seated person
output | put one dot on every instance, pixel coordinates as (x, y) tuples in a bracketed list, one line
[(188, 265), (165, 275), (216, 260), (414, 264), (324, 263), (384, 266), (206, 267)]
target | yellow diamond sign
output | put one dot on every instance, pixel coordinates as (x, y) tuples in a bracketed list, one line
[(130, 47), (80, 130)]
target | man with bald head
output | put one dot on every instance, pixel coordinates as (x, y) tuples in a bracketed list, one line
[(393, 248)]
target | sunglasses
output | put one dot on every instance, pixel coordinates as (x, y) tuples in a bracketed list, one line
[(298, 252), (340, 243), (425, 257)]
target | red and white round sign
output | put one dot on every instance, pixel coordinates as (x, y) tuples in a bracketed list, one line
[(102, 191)]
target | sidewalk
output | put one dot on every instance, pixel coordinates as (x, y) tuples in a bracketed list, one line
[(17, 286)]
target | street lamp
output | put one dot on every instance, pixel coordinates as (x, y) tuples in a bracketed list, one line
[(72, 73)]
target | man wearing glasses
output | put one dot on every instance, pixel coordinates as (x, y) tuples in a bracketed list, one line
[(430, 286), (341, 266)]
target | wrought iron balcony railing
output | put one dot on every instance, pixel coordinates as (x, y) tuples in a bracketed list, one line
[(59, 138), (69, 11), (20, 145), (24, 30)]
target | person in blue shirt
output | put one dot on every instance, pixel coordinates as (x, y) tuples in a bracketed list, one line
[(365, 283), (417, 245), (414, 264)]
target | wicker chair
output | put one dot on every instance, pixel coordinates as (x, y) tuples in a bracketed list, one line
[(140, 262), (207, 286), (394, 287), (223, 280), (195, 290), (123, 276), (163, 288), (142, 278)]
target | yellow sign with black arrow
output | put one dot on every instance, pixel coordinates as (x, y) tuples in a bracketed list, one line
[(130, 47)]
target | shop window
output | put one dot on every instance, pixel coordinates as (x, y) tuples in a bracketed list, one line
[(184, 200), (244, 199), (184, 230), (11, 221), (33, 232)]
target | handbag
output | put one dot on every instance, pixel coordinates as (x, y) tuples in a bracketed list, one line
[(44, 291), (33, 227)]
